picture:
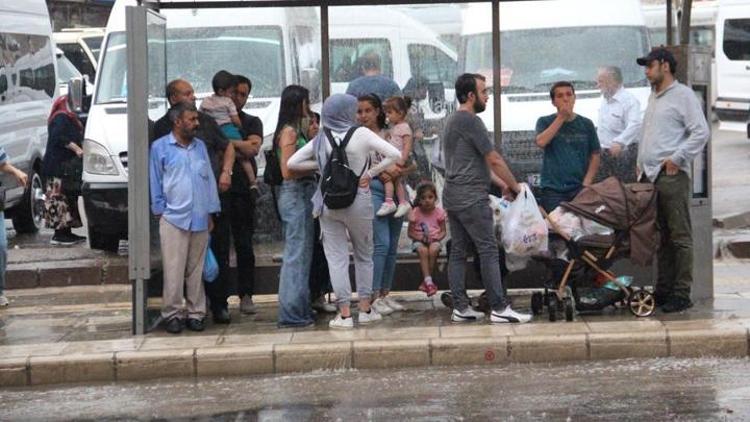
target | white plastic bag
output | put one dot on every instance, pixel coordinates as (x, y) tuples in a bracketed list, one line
[(524, 228)]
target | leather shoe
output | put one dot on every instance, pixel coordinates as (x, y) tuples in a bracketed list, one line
[(676, 304), (661, 299), (174, 325), (194, 324), (221, 316)]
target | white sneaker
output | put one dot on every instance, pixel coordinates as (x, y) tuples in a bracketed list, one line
[(391, 302), (247, 306), (509, 316), (468, 315), (402, 210), (386, 208), (4, 301), (322, 305), (341, 323), (372, 316), (382, 307)]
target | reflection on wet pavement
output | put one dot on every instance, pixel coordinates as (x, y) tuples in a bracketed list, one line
[(654, 389)]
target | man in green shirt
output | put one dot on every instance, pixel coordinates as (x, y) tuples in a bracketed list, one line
[(571, 149)]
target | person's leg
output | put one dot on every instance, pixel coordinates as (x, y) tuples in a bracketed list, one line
[(389, 270), (477, 221), (675, 192), (217, 291), (174, 250), (665, 255), (242, 224), (424, 260), (337, 253), (434, 251), (294, 293), (381, 235), (389, 190), (403, 198), (359, 226), (195, 297), (3, 252), (457, 261)]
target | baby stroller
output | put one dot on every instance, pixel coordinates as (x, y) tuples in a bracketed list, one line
[(630, 211)]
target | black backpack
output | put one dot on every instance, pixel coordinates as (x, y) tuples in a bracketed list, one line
[(339, 185), (272, 173)]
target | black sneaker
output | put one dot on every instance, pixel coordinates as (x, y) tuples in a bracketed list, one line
[(661, 299), (194, 324), (174, 326), (79, 239), (66, 239), (676, 304), (221, 316)]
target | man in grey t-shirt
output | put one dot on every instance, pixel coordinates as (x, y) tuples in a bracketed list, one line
[(469, 158)]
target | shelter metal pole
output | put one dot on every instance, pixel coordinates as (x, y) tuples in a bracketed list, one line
[(496, 76), (670, 24), (325, 64), (138, 193)]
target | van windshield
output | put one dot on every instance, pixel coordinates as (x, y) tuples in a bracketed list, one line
[(196, 54), (532, 60)]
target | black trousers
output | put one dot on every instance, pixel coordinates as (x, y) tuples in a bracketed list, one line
[(237, 219), (320, 278)]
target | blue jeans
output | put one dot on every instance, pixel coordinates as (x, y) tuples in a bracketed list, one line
[(386, 232), (3, 252), (295, 210)]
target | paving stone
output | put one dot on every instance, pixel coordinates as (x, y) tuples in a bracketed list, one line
[(408, 333), (13, 372), (469, 351), (476, 330), (391, 354), (179, 342), (644, 344), (548, 348), (229, 361), (72, 368), (727, 342), (310, 357), (69, 275), (140, 365), (22, 277)]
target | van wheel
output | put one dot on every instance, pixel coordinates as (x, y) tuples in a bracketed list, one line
[(103, 241), (28, 216)]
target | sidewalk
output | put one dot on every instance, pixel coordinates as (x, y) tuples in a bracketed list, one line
[(82, 334)]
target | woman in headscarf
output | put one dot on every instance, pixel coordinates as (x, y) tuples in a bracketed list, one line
[(338, 115), (62, 168), (295, 209)]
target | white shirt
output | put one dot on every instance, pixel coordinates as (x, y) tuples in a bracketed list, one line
[(619, 120)]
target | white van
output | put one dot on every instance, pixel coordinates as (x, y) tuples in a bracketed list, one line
[(733, 64), (546, 41), (273, 47), (81, 46), (27, 89), (406, 47)]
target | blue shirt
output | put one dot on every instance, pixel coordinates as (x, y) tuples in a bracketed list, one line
[(382, 86), (183, 187)]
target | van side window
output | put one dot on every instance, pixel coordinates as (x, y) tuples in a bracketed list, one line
[(432, 63), (28, 61), (737, 39), (79, 58), (347, 53)]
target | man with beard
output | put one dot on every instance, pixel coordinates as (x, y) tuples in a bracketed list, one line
[(470, 156), (184, 197), (675, 131), (571, 149), (221, 155)]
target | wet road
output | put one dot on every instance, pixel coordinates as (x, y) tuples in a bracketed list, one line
[(657, 389)]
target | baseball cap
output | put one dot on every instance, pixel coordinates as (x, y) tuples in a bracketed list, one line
[(661, 54)]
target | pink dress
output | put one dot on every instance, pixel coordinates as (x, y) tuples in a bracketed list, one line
[(420, 222)]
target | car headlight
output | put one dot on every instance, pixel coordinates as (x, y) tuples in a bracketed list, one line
[(97, 160)]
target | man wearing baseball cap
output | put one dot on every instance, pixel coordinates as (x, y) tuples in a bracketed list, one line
[(675, 131)]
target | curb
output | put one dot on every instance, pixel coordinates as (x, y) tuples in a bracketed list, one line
[(726, 339)]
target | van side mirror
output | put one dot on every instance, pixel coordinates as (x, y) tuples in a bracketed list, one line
[(75, 94), (436, 94)]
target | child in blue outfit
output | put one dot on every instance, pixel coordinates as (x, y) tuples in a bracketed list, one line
[(222, 109)]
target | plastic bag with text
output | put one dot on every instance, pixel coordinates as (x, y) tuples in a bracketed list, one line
[(524, 228)]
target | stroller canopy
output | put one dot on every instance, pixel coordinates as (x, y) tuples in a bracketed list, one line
[(629, 208)]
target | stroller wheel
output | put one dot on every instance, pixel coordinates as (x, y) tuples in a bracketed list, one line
[(641, 303), (537, 303), (569, 309), (447, 300)]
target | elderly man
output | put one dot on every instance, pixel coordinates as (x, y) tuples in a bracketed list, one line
[(183, 196), (618, 128), (675, 131), (221, 155)]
